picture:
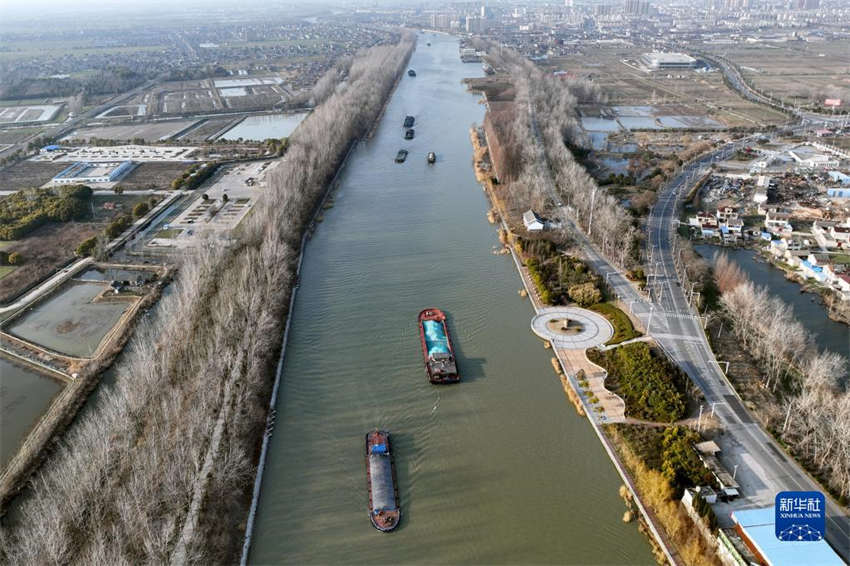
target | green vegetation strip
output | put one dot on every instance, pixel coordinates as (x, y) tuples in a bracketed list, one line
[(623, 327), (652, 387)]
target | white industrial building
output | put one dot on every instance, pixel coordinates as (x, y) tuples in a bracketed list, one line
[(659, 61), (84, 173)]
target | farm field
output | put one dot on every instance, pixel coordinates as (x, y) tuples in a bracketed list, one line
[(151, 131), (18, 134), (697, 94), (798, 72), (152, 176), (28, 174)]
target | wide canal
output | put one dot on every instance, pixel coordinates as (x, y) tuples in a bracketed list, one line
[(497, 469)]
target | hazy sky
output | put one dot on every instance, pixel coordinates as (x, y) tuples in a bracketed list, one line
[(29, 9)]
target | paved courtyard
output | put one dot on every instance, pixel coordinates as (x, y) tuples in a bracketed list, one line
[(586, 329)]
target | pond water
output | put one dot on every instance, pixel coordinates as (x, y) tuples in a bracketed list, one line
[(69, 322), (599, 124), (24, 396), (616, 165), (260, 128), (112, 274)]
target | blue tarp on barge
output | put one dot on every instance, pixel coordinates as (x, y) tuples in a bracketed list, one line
[(435, 338)]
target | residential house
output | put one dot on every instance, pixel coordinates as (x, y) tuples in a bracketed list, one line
[(778, 222), (533, 222)]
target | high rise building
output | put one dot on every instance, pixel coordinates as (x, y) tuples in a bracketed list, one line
[(637, 7)]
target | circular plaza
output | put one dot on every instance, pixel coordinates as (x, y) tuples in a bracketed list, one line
[(572, 328)]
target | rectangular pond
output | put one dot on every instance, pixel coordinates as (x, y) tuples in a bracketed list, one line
[(261, 128), (24, 396), (68, 321)]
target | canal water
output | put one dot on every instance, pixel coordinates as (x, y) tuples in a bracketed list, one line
[(829, 335), (496, 469), (24, 396)]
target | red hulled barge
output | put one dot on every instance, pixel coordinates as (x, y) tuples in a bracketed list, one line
[(384, 509), (437, 349)]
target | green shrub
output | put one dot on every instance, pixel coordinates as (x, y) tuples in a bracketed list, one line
[(585, 294), (623, 327), (652, 387), (26, 210), (141, 209), (679, 462), (86, 247)]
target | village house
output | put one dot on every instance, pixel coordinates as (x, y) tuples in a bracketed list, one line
[(777, 222), (533, 222)]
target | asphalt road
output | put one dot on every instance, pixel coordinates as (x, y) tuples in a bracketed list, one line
[(760, 466)]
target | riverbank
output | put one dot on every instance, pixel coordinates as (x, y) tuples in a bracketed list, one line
[(834, 307), (183, 424), (662, 546)]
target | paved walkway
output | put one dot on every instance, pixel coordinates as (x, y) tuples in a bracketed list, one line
[(591, 330)]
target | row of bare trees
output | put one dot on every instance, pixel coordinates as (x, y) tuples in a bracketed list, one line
[(546, 112), (813, 413), (159, 469)]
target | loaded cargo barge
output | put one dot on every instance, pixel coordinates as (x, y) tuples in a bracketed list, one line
[(384, 511), (440, 363)]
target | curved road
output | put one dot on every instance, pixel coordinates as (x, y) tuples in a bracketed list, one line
[(763, 468)]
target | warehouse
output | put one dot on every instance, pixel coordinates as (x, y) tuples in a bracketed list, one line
[(658, 61), (82, 173)]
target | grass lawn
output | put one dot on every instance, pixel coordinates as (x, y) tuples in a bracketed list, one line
[(4, 245), (623, 327), (170, 233), (6, 270)]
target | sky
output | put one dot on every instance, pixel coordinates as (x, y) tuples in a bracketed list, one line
[(28, 9)]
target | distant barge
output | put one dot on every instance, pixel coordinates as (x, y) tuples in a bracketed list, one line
[(440, 363), (384, 511)]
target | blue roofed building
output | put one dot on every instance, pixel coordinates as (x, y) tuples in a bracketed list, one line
[(757, 529)]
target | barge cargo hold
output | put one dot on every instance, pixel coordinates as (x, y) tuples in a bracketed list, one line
[(384, 511), (440, 362)]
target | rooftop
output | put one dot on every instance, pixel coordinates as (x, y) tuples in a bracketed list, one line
[(758, 527)]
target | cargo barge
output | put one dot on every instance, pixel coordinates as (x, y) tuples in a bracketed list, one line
[(384, 511), (440, 363)]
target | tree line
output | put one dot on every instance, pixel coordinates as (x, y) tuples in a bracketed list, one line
[(160, 468), (546, 110), (26, 210), (811, 411)]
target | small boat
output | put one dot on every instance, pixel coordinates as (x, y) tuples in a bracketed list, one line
[(409, 133), (408, 121), (440, 363), (428, 44), (432, 157), (411, 73), (401, 156), (384, 510)]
